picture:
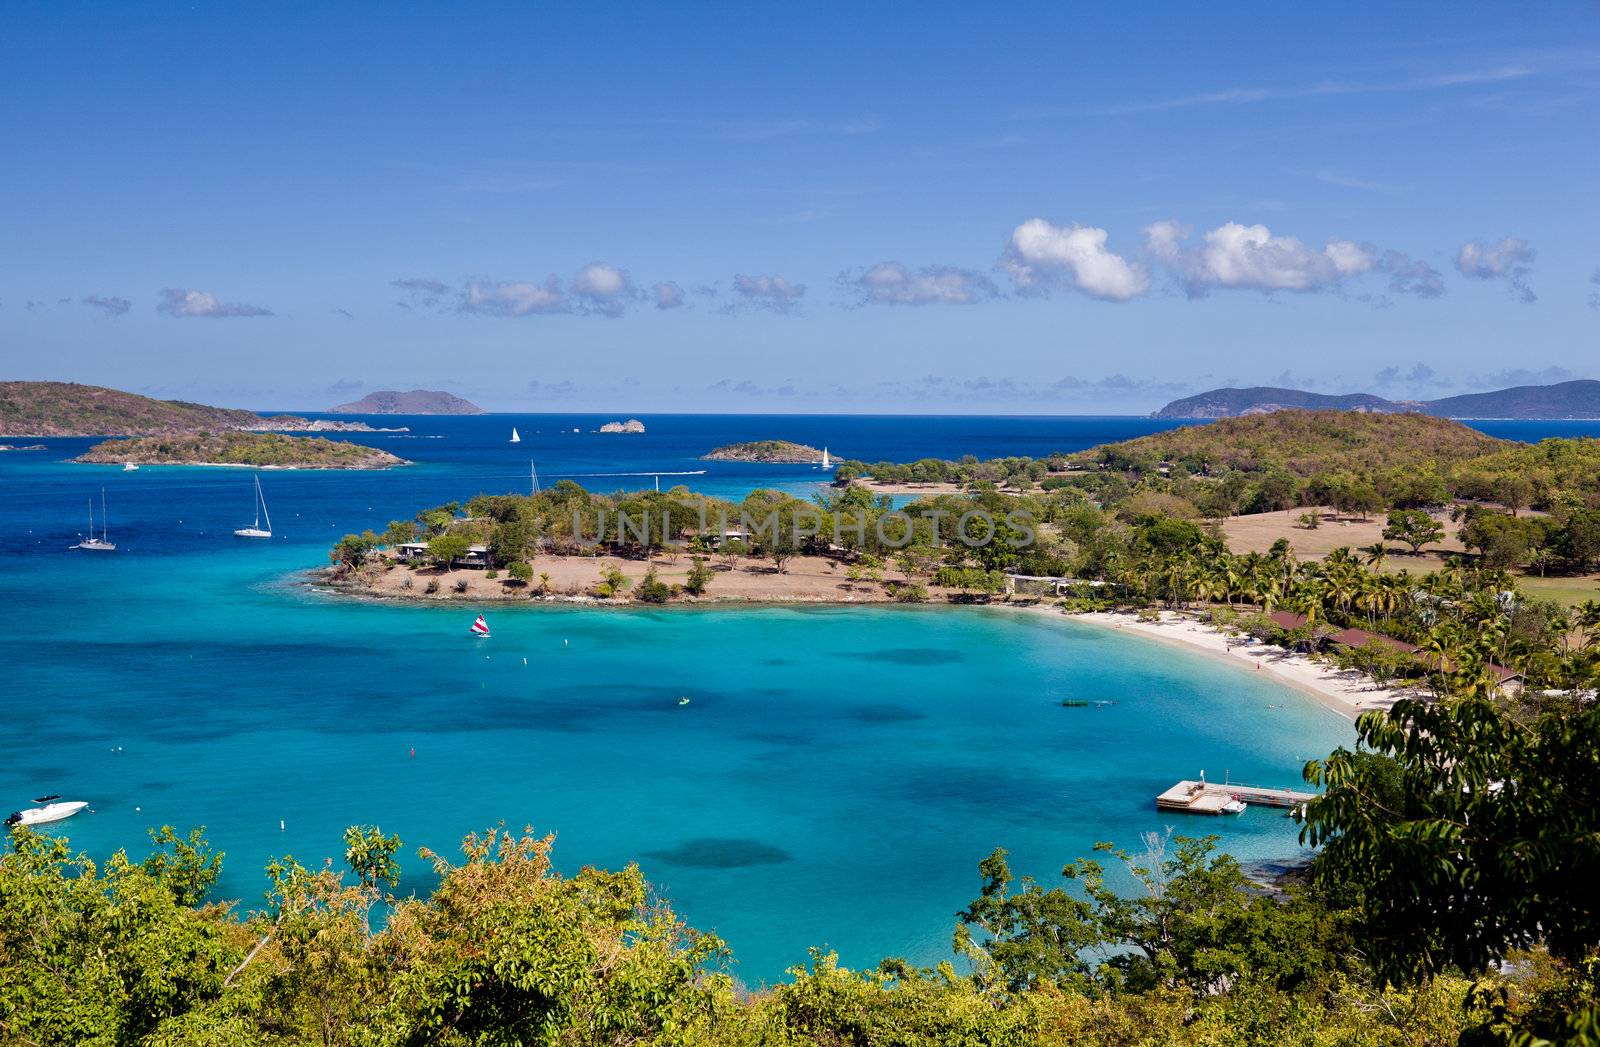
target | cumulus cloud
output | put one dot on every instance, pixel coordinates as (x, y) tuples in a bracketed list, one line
[(603, 289), (1409, 275), (1250, 257), (420, 293), (1510, 260), (110, 305), (180, 303), (775, 293), (891, 283), (667, 295), (1041, 256), (517, 298)]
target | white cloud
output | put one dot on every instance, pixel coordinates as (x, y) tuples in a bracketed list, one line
[(769, 292), (1509, 260), (603, 289), (890, 283), (182, 303), (1042, 255), (667, 295), (518, 298), (1250, 257)]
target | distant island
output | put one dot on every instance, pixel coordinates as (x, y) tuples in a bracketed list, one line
[(780, 451), (416, 401), (289, 423), (1563, 400), (263, 450), (29, 447), (632, 425)]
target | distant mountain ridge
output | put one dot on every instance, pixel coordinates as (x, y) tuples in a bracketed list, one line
[(415, 401), (1563, 400)]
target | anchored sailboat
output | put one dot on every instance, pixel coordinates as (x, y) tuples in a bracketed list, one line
[(516, 438), (255, 530), (102, 544)]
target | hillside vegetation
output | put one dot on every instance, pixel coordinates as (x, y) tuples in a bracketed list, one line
[(766, 451), (414, 401), (1304, 443), (236, 448), (69, 409)]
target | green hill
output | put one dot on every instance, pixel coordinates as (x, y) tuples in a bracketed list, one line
[(786, 451), (69, 409), (1305, 443), (235, 448)]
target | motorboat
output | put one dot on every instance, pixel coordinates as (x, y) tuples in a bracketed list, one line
[(53, 810)]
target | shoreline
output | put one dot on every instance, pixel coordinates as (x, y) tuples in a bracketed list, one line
[(1346, 692)]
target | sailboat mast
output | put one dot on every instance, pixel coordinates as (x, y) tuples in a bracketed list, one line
[(105, 521), (262, 496)]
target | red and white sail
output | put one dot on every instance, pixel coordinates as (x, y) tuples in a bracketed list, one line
[(480, 627)]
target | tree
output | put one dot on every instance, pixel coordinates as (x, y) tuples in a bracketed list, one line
[(371, 855), (1413, 527), (652, 589), (521, 571), (1463, 832), (446, 549), (700, 576), (354, 549)]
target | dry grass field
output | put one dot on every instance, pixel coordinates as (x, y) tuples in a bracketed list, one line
[(1257, 532)]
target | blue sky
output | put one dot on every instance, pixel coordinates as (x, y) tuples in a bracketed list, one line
[(955, 208)]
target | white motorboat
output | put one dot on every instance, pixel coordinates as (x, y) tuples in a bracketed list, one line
[(1234, 806), (102, 544), (255, 530), (129, 467), (53, 811)]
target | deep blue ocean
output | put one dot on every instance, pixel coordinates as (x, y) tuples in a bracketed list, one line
[(835, 780)]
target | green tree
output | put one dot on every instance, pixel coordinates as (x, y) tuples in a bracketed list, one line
[(371, 855), (354, 549), (1413, 527), (446, 549), (699, 577)]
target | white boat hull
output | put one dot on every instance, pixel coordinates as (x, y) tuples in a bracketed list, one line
[(50, 812), (251, 532), (97, 546)]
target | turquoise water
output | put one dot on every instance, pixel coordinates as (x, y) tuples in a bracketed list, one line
[(834, 781)]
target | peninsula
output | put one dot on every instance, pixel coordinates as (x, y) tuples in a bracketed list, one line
[(289, 423), (415, 401), (262, 450), (1563, 400), (778, 451), (69, 409)]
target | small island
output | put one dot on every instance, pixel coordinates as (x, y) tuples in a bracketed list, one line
[(779, 451), (632, 425), (414, 401), (262, 450), (291, 423), (28, 447)]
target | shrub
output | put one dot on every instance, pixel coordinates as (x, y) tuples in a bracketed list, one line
[(491, 574), (652, 589), (409, 584), (911, 593), (432, 587), (461, 585), (700, 576)]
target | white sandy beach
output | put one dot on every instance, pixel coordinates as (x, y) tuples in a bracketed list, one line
[(1348, 693)]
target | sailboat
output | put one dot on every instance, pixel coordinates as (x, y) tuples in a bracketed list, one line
[(533, 478), (826, 461), (516, 437), (480, 627), (102, 544), (255, 530)]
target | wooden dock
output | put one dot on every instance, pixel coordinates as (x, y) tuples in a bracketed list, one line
[(1203, 797)]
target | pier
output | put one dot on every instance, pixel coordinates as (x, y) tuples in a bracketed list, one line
[(1203, 797)]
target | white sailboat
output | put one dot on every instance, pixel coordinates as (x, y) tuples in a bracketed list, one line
[(102, 544), (255, 530), (516, 437), (533, 478), (826, 461)]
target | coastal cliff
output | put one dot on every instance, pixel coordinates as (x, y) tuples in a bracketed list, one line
[(69, 409)]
